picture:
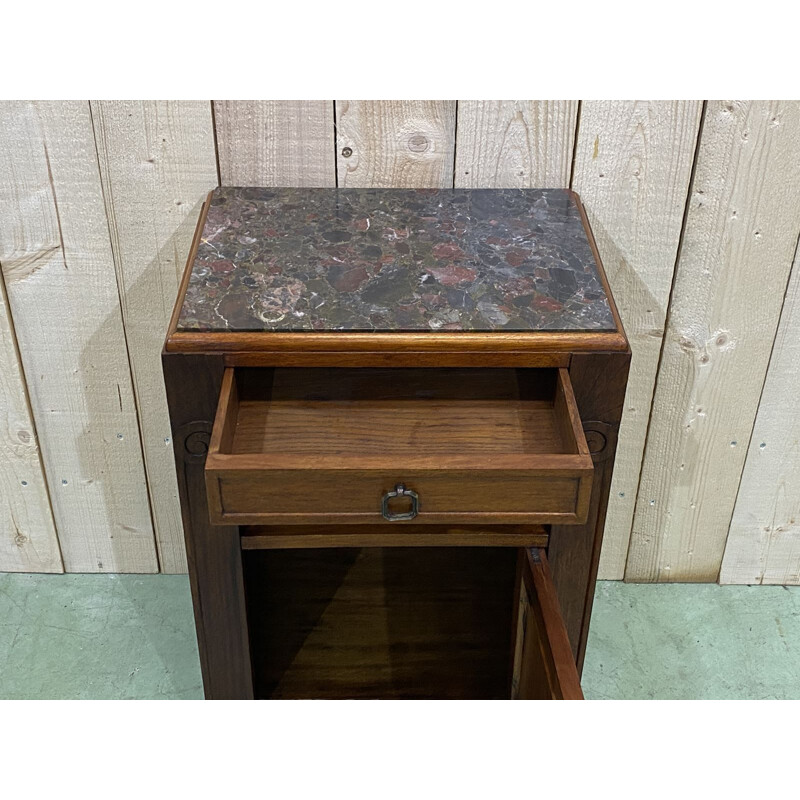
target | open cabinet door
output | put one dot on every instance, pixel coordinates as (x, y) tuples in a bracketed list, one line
[(543, 667)]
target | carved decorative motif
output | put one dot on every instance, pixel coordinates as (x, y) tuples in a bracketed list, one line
[(598, 436), (196, 437)]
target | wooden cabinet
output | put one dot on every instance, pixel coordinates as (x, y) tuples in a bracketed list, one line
[(394, 442)]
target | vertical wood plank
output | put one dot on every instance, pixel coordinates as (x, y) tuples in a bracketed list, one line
[(395, 143), (509, 144), (59, 275), (739, 240), (28, 540), (275, 142), (157, 163), (764, 540), (633, 164)]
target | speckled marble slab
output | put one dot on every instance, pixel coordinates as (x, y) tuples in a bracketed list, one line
[(394, 260)]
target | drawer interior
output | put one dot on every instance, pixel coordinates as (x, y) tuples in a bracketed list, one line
[(406, 412)]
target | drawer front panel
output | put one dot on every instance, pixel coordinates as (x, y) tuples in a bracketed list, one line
[(298, 447), (353, 496)]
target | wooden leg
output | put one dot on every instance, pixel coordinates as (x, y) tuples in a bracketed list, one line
[(213, 552), (599, 381)]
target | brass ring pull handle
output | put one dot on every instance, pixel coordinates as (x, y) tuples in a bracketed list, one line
[(400, 491)]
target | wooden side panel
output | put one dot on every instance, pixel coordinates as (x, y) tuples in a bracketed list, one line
[(764, 539), (633, 164), (214, 553), (275, 142), (395, 143), (508, 144), (59, 275), (157, 164), (598, 381), (28, 540), (739, 241)]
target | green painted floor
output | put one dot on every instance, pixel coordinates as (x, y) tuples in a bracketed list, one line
[(132, 636)]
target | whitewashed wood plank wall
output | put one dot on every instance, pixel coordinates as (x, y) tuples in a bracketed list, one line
[(696, 210)]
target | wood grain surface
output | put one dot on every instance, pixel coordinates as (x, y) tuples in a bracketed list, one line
[(633, 163), (275, 142), (739, 241), (262, 537), (395, 143), (508, 144), (58, 269), (352, 413), (763, 545), (484, 347), (157, 164), (28, 540)]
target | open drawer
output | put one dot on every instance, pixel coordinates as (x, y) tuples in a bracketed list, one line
[(382, 446)]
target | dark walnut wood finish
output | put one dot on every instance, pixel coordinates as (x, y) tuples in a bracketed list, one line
[(213, 552), (272, 537), (285, 443)]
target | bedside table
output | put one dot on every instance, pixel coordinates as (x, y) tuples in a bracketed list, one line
[(394, 417)]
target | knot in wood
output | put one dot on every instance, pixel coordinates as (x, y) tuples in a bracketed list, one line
[(418, 143)]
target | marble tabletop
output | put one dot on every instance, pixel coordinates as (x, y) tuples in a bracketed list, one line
[(394, 259)]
